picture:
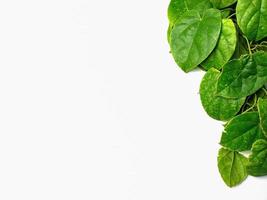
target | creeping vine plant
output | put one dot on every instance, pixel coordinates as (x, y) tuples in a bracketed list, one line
[(228, 40)]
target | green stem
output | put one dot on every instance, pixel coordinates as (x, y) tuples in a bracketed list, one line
[(253, 105), (249, 49), (265, 91), (231, 15)]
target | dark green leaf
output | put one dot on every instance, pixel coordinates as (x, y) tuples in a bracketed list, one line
[(217, 107), (262, 107), (243, 77), (252, 18), (242, 131), (232, 167), (194, 36), (257, 165)]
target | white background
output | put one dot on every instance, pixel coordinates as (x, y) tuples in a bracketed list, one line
[(93, 107)]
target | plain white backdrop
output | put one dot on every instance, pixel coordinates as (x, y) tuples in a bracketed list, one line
[(93, 107)]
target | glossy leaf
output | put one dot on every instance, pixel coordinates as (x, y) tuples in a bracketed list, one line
[(257, 165), (243, 77), (178, 7), (194, 36), (242, 131), (222, 3), (225, 48), (252, 18), (232, 167), (217, 107), (262, 108)]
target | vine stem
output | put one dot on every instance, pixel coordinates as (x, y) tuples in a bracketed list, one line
[(258, 46), (253, 105), (231, 15), (265, 91), (249, 49)]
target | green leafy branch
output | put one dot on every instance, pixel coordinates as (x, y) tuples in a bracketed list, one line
[(220, 38)]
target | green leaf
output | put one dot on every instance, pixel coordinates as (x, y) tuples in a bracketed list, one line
[(169, 32), (257, 165), (262, 108), (225, 47), (242, 131), (222, 3), (243, 77), (217, 107), (178, 7), (232, 167), (225, 13), (194, 36), (241, 47), (252, 18)]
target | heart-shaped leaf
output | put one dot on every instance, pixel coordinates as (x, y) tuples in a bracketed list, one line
[(194, 36), (232, 167), (242, 131), (217, 107), (252, 18), (225, 47), (178, 7), (243, 77)]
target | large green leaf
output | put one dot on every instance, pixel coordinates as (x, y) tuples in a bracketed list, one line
[(232, 167), (194, 36), (257, 165), (178, 7), (222, 3), (252, 18), (217, 107), (242, 131), (262, 108), (225, 47), (243, 77)]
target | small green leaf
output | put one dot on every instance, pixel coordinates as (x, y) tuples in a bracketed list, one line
[(243, 77), (252, 18), (178, 7), (257, 165), (194, 36), (217, 107), (242, 131), (222, 3), (225, 47), (262, 107), (232, 167)]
